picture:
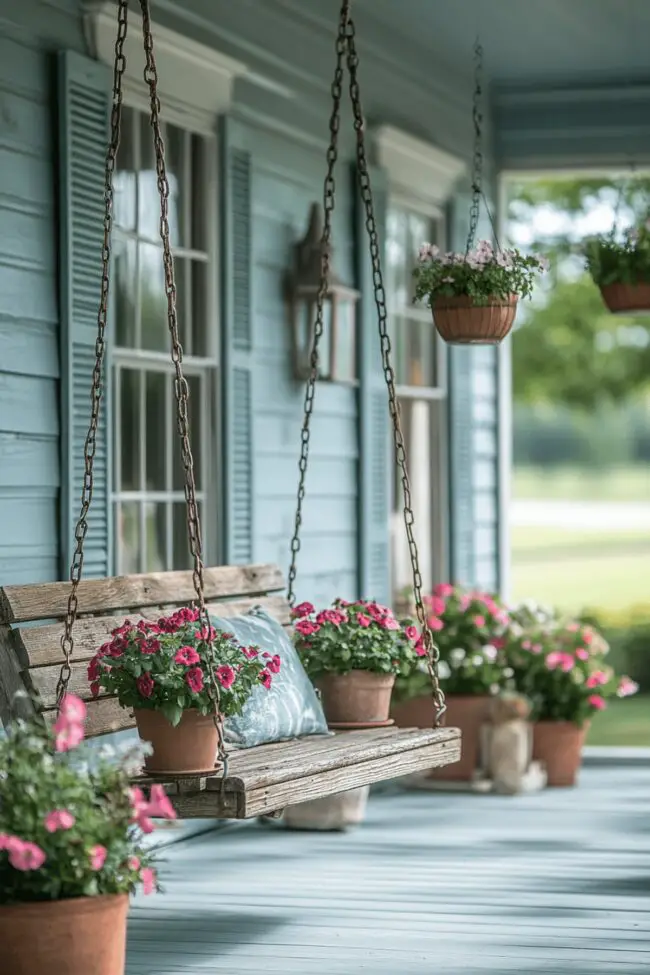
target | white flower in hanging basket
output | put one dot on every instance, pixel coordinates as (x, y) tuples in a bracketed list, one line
[(621, 268), (474, 296)]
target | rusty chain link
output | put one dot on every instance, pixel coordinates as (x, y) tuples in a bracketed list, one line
[(328, 205), (477, 166), (181, 391), (81, 529), (346, 47)]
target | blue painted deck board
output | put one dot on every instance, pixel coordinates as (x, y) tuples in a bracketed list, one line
[(553, 884)]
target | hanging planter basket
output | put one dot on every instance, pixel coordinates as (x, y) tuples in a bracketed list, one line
[(461, 322), (622, 298)]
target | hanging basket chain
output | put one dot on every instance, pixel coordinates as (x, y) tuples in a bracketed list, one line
[(432, 651), (181, 391), (90, 446), (478, 192), (328, 206)]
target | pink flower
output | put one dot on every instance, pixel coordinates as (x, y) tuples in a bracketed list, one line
[(305, 628), (148, 878), (597, 702), (526, 645), (557, 659), (573, 627), (206, 633), (159, 804), (265, 679), (627, 687), (389, 623), (437, 605), (25, 856), (273, 663), (303, 609), (251, 652), (582, 654), (332, 616), (73, 709), (141, 810), (444, 589), (420, 649), (363, 620), (150, 646), (59, 819), (98, 856), (588, 636), (596, 679), (145, 684), (435, 624), (479, 621), (225, 676), (537, 648), (194, 679), (67, 736), (94, 670), (411, 633), (464, 603), (186, 656)]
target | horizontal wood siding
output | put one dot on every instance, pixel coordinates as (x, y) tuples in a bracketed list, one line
[(30, 473), (287, 178)]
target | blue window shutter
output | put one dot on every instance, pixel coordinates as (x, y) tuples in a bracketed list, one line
[(236, 346), (83, 100), (374, 416)]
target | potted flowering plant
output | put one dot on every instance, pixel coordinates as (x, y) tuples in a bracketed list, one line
[(621, 268), (468, 628), (162, 670), (353, 652), (561, 668), (474, 296), (71, 848)]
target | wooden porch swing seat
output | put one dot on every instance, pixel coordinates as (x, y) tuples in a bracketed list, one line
[(260, 780)]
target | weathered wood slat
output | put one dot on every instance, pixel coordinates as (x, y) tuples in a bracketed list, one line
[(20, 604), (38, 646), (103, 717)]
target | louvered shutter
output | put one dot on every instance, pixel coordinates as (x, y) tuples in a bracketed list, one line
[(83, 99)]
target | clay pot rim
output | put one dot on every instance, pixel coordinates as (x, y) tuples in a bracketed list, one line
[(550, 722), (63, 903)]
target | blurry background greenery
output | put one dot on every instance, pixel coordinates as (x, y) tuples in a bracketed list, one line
[(581, 384)]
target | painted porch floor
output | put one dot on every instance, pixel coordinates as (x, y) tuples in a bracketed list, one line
[(557, 883)]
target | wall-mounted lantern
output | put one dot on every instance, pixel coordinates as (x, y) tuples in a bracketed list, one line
[(337, 347)]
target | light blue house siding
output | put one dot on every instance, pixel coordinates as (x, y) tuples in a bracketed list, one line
[(272, 166)]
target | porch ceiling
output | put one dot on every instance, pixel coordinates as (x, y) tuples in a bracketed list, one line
[(547, 43)]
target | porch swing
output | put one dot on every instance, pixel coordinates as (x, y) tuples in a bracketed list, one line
[(246, 782)]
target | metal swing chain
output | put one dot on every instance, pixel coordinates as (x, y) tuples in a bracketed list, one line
[(478, 193), (90, 446), (328, 206), (181, 391), (432, 650)]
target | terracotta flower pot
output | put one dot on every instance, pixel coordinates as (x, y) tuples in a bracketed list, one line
[(78, 936), (467, 712), (189, 747), (558, 744), (359, 697), (337, 812), (461, 322), (621, 298)]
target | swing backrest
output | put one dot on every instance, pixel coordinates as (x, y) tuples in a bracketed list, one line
[(31, 626)]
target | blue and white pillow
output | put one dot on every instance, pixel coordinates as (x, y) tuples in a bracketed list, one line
[(291, 708)]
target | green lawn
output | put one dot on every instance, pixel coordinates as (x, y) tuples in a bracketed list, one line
[(576, 484), (625, 723)]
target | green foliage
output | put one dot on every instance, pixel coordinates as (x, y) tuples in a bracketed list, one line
[(482, 274), (626, 261), (355, 636), (165, 666), (67, 819), (468, 628), (628, 634)]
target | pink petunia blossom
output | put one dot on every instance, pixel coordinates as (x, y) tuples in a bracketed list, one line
[(411, 633), (265, 679), (305, 628), (134, 863), (251, 652), (206, 633), (435, 624), (59, 819), (363, 620), (159, 805), (479, 621), (597, 702), (627, 687), (194, 680), (443, 589), (596, 679), (526, 645), (140, 808), (25, 856), (226, 676), (94, 670), (302, 610), (573, 627), (73, 709), (274, 663), (98, 856), (437, 605), (67, 735), (588, 636), (420, 649), (582, 654), (332, 616), (148, 878), (152, 645), (556, 659), (186, 656), (145, 684), (390, 623)]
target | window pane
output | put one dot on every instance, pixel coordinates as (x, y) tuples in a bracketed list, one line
[(129, 444), (156, 431), (417, 416), (126, 176), (199, 309), (148, 197), (155, 537), (183, 306), (200, 184), (345, 340), (153, 301), (124, 278), (127, 527), (196, 429), (179, 184), (416, 351), (182, 558)]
